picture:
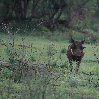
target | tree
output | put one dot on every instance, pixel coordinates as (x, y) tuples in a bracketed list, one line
[(51, 11)]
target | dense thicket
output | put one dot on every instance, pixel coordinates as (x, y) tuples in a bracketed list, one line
[(69, 13)]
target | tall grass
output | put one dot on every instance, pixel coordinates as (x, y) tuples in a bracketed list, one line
[(37, 68)]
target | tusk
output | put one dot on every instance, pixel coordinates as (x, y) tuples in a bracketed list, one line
[(71, 51)]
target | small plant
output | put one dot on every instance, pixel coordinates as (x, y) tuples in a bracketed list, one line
[(63, 50), (73, 81), (64, 65), (32, 58)]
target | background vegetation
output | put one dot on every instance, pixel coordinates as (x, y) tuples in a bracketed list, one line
[(34, 36), (76, 14)]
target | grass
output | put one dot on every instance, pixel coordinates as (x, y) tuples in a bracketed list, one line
[(70, 85)]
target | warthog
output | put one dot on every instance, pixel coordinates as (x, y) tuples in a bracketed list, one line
[(75, 53)]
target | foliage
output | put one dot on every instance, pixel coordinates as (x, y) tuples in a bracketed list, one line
[(42, 71), (51, 13), (33, 63)]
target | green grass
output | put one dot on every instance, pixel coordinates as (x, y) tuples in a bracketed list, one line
[(39, 52)]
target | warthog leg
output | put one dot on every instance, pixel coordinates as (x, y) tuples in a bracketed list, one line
[(77, 66), (71, 67)]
